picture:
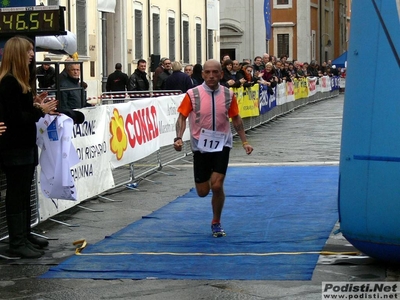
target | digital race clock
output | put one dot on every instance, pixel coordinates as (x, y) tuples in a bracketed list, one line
[(32, 20)]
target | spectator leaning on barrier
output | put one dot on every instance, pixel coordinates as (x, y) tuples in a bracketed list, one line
[(227, 78), (178, 80), (312, 69), (138, 80), (258, 65), (269, 78), (117, 81), (248, 78)]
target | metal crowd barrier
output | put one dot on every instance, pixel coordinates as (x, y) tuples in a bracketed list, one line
[(125, 96), (140, 170)]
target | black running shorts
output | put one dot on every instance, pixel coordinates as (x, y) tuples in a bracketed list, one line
[(206, 163)]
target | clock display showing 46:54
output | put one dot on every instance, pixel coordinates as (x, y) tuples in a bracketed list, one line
[(32, 20)]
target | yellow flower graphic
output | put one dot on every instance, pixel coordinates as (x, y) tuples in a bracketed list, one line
[(118, 141)]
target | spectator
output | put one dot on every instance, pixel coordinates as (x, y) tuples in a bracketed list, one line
[(158, 71), (18, 150), (188, 70), (227, 78), (283, 58), (117, 81), (46, 75), (334, 71), (265, 59), (224, 58), (71, 90), (305, 68), (197, 74), (178, 80), (258, 65), (235, 68), (64, 72), (269, 78), (299, 70), (138, 80), (162, 77), (246, 77), (279, 72), (312, 69), (291, 70)]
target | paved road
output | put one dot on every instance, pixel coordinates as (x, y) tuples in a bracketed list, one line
[(308, 135)]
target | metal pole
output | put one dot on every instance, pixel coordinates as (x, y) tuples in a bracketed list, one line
[(104, 50)]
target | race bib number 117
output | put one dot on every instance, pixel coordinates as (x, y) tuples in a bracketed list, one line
[(211, 141)]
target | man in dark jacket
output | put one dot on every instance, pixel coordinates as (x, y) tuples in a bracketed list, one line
[(162, 77), (138, 80), (117, 81), (178, 80), (71, 90), (46, 75)]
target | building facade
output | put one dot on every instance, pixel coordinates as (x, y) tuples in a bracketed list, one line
[(124, 31), (304, 30)]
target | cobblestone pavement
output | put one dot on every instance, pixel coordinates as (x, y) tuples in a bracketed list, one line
[(308, 135)]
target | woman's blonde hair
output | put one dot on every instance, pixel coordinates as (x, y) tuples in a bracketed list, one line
[(14, 61), (176, 66)]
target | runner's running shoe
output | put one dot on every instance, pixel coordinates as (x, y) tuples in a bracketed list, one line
[(217, 230)]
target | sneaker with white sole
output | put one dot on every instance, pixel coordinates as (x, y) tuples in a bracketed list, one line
[(217, 230)]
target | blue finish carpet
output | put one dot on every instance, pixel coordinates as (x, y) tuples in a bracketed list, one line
[(277, 219)]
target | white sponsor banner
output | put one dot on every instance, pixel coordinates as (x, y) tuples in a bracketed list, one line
[(289, 91), (167, 117), (342, 82), (281, 91), (312, 86), (325, 84), (91, 139)]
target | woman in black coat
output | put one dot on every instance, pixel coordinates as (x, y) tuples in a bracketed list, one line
[(19, 111)]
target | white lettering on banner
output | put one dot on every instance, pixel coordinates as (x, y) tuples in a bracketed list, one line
[(85, 129)]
